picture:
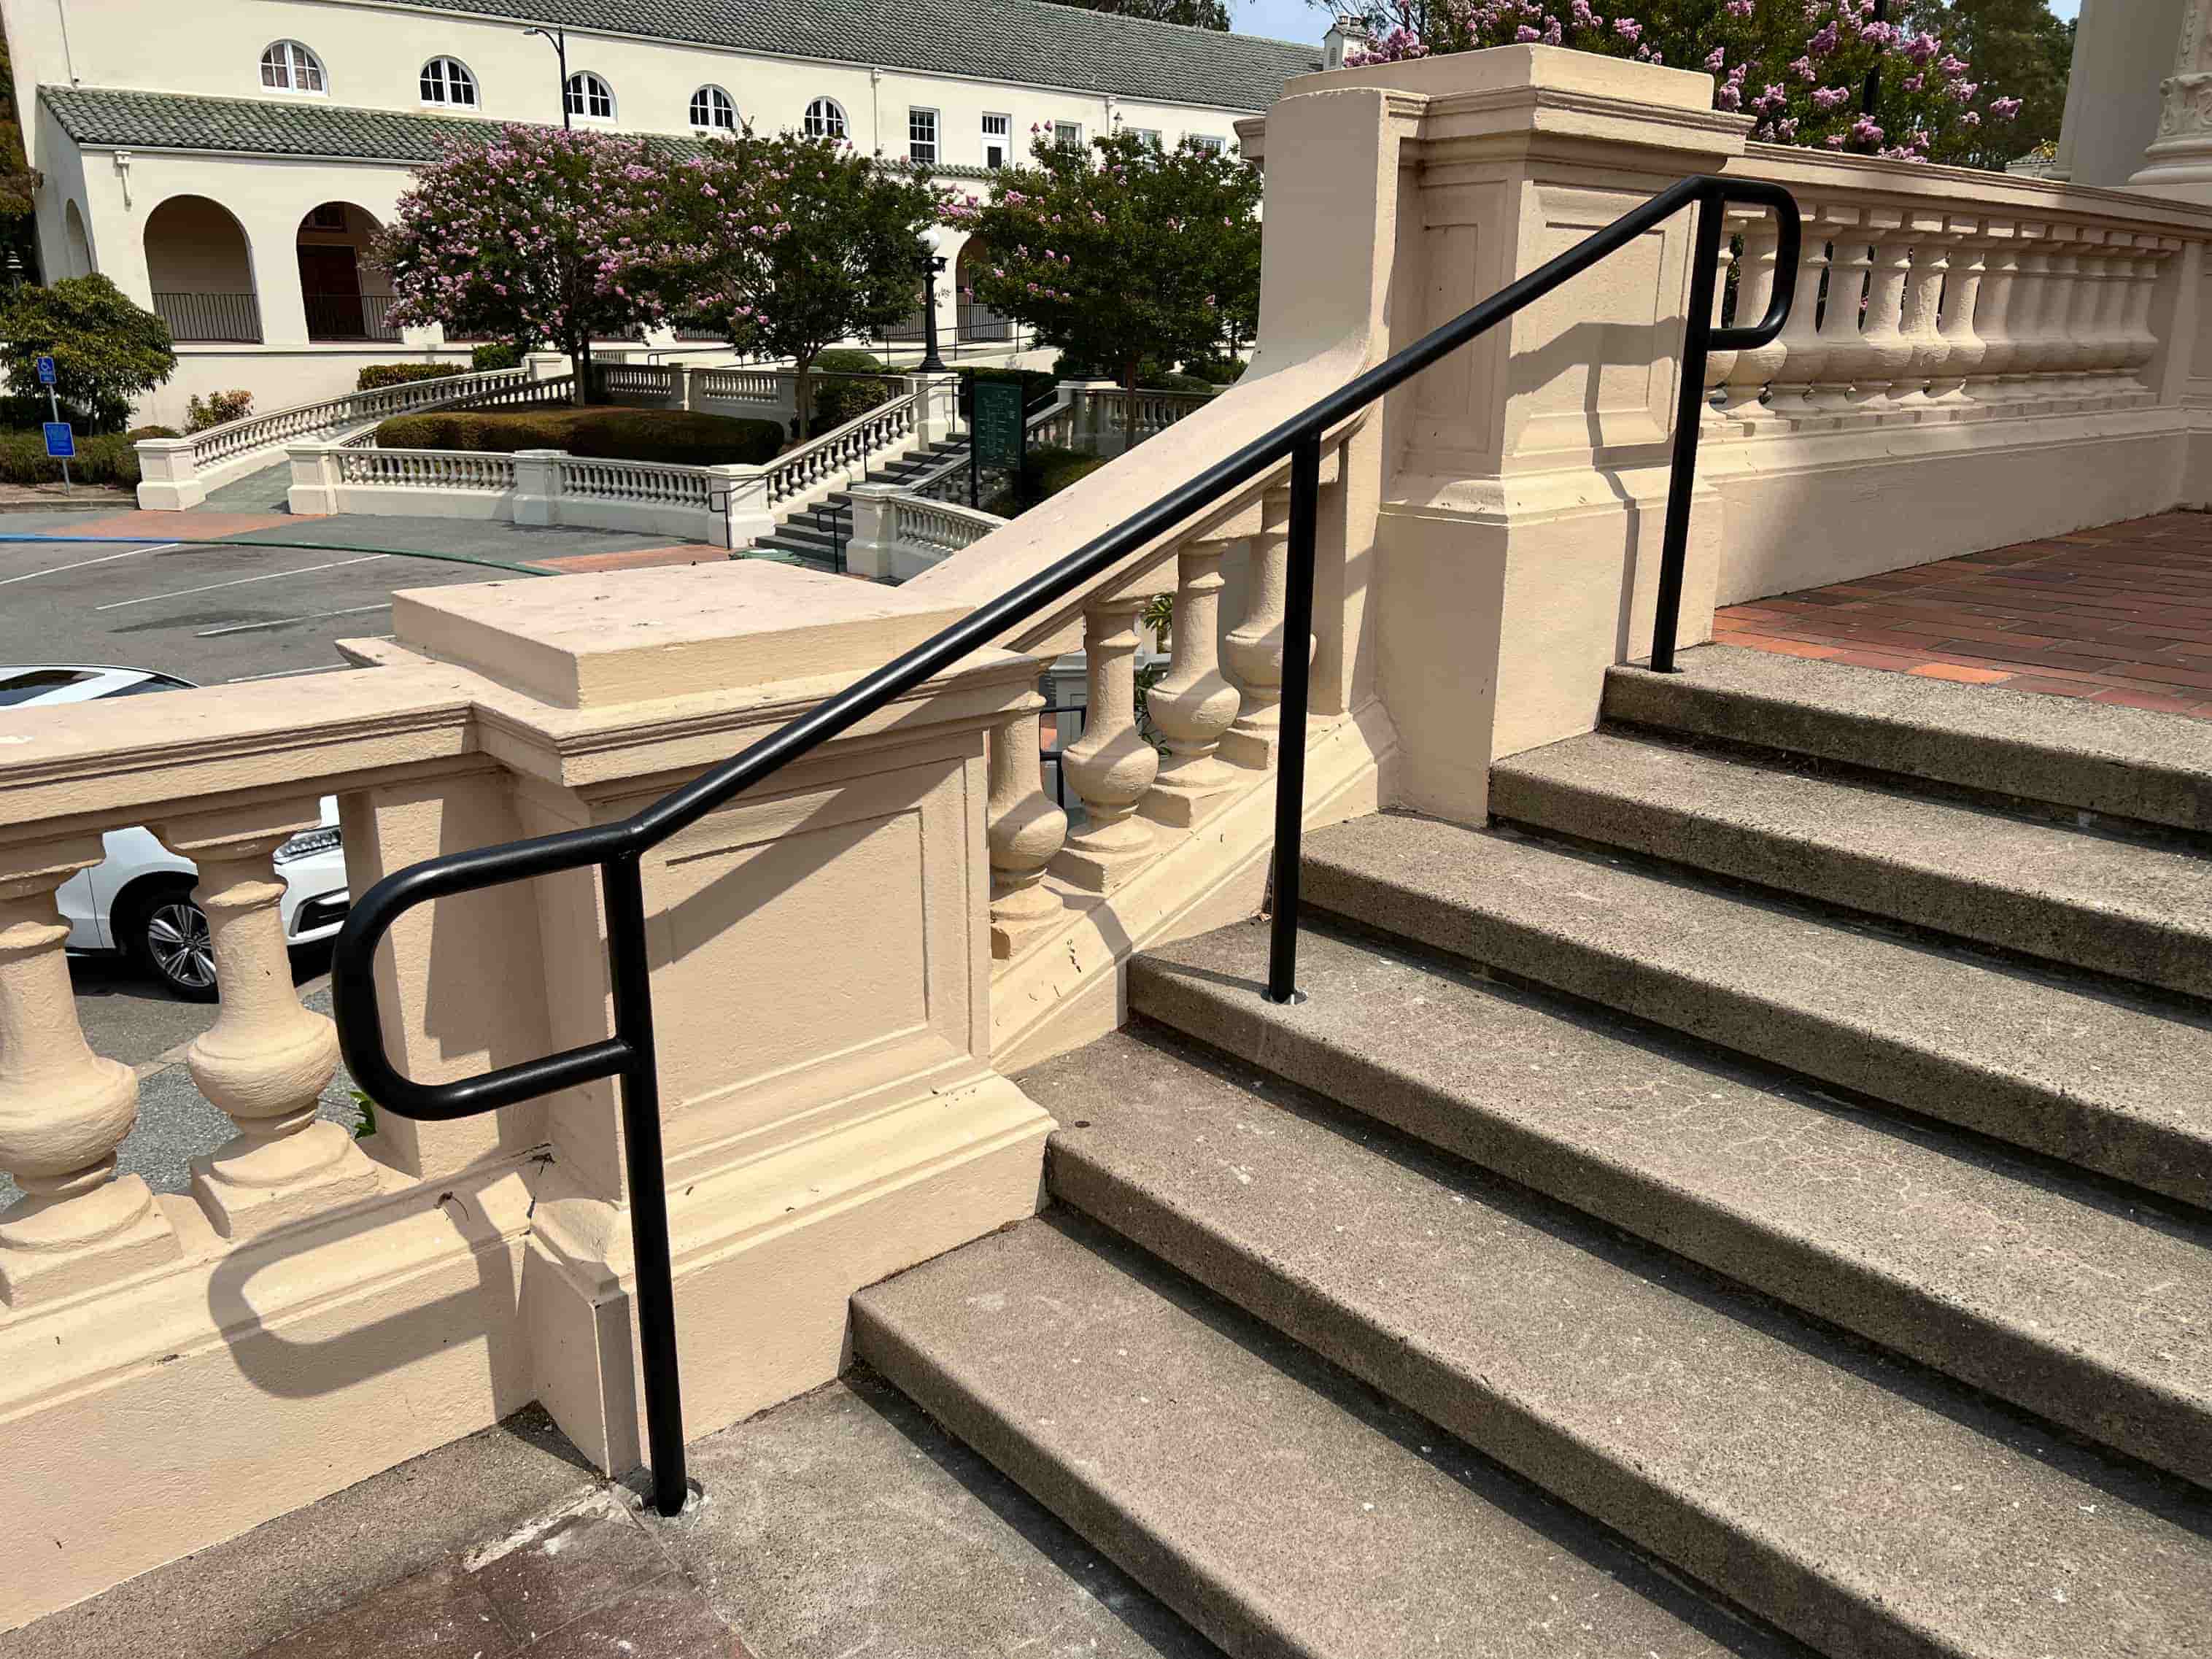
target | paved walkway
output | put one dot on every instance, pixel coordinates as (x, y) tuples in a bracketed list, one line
[(2119, 614)]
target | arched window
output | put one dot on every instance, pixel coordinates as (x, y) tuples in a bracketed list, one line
[(714, 109), (287, 66), (591, 98), (824, 120), (448, 81)]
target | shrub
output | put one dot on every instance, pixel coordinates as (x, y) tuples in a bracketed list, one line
[(106, 350), (1215, 371), (838, 399), (1066, 367), (373, 375), (600, 431), (1182, 383), (495, 353), (216, 408), (138, 432), (1049, 470), (102, 458)]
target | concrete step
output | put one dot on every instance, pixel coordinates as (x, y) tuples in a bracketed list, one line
[(1276, 1505), (2120, 906), (2056, 1296), (2038, 1058), (792, 552), (1865, 1505), (2069, 751)]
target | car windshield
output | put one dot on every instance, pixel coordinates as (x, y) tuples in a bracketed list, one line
[(37, 681)]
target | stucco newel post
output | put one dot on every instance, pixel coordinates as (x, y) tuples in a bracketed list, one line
[(63, 1110), (267, 1059), (1194, 704), (1110, 765), (1254, 649), (1025, 831)]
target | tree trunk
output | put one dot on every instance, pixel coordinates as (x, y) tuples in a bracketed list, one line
[(802, 395), (580, 353)]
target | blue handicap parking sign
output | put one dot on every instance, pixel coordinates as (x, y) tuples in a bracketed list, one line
[(61, 443), (46, 370)]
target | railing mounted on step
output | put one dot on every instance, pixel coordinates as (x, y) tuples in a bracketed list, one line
[(618, 849)]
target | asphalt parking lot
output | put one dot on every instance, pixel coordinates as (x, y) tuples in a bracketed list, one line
[(215, 614)]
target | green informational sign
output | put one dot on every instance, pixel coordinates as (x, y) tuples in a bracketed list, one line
[(997, 424)]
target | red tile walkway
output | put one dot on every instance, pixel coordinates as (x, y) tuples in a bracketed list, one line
[(2121, 614)]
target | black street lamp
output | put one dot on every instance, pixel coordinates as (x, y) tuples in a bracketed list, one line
[(933, 262), (1872, 95), (559, 37)]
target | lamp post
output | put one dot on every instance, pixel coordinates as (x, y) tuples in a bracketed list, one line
[(1872, 95), (559, 38), (933, 262), (14, 272)]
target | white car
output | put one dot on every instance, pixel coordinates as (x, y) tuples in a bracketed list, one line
[(139, 900)]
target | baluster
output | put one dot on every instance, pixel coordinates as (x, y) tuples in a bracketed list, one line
[(1025, 831), (1920, 324), (1111, 765), (2060, 266), (1802, 353), (2110, 379), (1848, 270), (2141, 344), (1254, 649), (2078, 336), (1994, 319), (63, 1110), (1963, 349), (1883, 352), (1711, 422), (267, 1059), (1194, 704), (1762, 245), (2024, 320)]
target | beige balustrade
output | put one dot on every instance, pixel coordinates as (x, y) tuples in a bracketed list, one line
[(63, 1110), (267, 1059), (1920, 323), (1883, 353), (1802, 350), (1194, 704), (1750, 370), (1963, 349), (1025, 831), (1111, 765), (1829, 398), (1993, 317)]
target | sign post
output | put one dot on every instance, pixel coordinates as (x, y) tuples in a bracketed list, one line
[(997, 434), (61, 443)]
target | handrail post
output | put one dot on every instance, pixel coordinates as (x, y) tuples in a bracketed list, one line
[(1290, 764), (1689, 415), (624, 886)]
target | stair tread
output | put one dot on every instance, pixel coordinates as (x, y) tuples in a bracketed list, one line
[(2100, 757), (2037, 1289), (1268, 1502), (1861, 1503), (2068, 1069), (2128, 908)]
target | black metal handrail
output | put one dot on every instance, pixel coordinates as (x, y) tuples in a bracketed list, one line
[(618, 849)]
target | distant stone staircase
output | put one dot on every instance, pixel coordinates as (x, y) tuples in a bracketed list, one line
[(817, 535), (1750, 1198)]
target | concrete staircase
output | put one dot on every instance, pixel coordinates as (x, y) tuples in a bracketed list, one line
[(817, 535), (1750, 1198)]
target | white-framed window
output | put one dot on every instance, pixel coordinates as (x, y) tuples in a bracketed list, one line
[(713, 110), (997, 129), (590, 98), (448, 81), (287, 66), (825, 119), (921, 137), (1068, 135), (1147, 134), (1206, 141)]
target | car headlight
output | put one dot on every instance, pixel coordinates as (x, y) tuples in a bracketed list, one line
[(308, 843)]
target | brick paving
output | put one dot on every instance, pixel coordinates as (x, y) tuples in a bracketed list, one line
[(2119, 614)]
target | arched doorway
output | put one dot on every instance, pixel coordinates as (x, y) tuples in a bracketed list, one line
[(78, 244), (201, 272), (975, 321), (348, 295)]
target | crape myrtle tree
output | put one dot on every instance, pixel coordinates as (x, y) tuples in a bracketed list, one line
[(786, 244), (1121, 251), (1800, 69), (521, 234)]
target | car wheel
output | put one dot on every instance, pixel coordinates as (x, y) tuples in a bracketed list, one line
[(167, 934)]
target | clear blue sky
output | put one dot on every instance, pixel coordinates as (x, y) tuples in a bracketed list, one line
[(1294, 19)]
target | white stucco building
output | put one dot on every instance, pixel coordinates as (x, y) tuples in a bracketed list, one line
[(226, 163)]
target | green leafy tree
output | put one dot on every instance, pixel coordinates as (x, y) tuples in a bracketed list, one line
[(2019, 46), (106, 351), (787, 244), (1194, 13), (517, 233), (1122, 251)]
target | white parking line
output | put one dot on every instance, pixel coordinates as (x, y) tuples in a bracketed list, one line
[(57, 569), (286, 673), (286, 622), (241, 582)]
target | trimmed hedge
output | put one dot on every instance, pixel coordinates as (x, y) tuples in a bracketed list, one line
[(495, 353), (1034, 383), (373, 375), (1215, 371), (603, 432), (1049, 469), (838, 399), (106, 457)]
